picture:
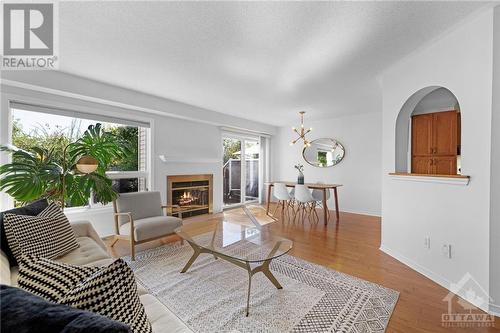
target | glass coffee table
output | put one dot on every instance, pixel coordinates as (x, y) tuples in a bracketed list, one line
[(243, 238)]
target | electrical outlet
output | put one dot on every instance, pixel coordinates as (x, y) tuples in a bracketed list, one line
[(427, 242), (446, 250)]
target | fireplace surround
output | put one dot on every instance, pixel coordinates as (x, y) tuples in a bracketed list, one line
[(192, 193)]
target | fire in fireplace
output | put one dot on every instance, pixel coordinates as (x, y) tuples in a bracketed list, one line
[(193, 193)]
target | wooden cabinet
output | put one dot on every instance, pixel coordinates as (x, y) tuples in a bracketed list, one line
[(421, 135), (444, 133), (435, 143), (421, 164), (444, 165)]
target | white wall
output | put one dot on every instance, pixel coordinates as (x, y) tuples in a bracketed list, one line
[(440, 99), (360, 169), (461, 61), (495, 175), (171, 133)]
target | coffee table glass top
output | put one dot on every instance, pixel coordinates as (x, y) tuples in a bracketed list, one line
[(242, 235)]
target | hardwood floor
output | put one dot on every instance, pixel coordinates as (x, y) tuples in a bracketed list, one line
[(352, 247)]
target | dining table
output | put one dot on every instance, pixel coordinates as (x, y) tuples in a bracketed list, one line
[(313, 186)]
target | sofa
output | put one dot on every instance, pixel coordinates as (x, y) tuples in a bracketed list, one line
[(92, 252)]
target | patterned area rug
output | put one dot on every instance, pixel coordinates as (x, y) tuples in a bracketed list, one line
[(211, 296)]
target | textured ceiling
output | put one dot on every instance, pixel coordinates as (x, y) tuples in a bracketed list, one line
[(259, 60)]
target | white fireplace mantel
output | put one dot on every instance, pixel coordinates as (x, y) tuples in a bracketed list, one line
[(188, 159)]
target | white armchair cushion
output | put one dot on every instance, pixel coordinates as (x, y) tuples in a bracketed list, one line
[(140, 204), (152, 227)]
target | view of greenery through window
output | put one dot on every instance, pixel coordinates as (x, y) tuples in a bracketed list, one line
[(59, 134), (231, 146), (49, 131)]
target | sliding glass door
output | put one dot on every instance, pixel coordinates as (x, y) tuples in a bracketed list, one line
[(240, 169)]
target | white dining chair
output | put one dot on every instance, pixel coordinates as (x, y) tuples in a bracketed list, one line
[(284, 198), (305, 203), (318, 197)]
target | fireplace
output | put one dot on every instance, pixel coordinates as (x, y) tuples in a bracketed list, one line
[(193, 193)]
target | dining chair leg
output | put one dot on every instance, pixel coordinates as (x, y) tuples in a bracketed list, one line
[(303, 212), (316, 213), (312, 211)]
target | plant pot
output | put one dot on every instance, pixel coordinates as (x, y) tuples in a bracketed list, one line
[(300, 179)]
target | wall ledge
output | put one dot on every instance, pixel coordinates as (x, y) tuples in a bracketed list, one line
[(440, 179)]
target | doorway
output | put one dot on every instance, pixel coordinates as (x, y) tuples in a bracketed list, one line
[(240, 169)]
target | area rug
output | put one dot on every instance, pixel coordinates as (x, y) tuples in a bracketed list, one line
[(211, 296)]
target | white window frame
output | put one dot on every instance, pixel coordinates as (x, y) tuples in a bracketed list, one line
[(7, 202), (242, 138)]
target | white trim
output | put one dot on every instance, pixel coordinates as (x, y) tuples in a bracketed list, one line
[(121, 105), (242, 132), (494, 309), (127, 174), (88, 209), (430, 179), (6, 201), (443, 282), (54, 110), (185, 159)]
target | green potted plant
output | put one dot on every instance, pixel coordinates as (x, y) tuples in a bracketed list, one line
[(68, 179)]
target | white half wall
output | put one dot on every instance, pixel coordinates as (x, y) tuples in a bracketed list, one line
[(460, 61), (359, 171)]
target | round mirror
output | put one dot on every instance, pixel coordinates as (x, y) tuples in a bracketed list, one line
[(324, 152)]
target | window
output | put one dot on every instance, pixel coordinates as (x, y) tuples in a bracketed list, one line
[(31, 127)]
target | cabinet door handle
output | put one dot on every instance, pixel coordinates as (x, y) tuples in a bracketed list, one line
[(431, 161)]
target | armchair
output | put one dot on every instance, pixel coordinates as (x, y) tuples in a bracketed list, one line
[(139, 218)]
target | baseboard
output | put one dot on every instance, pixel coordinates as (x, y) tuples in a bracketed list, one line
[(494, 309), (435, 277), (358, 212)]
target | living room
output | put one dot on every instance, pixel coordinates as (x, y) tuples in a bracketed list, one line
[(345, 150)]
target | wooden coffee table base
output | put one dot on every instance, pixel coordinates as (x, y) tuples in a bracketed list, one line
[(264, 267)]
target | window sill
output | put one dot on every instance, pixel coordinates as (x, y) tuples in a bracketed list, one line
[(87, 209), (440, 179)]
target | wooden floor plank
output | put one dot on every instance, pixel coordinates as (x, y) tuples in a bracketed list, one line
[(352, 247)]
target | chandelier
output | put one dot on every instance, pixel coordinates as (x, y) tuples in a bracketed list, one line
[(302, 132)]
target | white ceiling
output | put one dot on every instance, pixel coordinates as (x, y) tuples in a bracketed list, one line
[(259, 60)]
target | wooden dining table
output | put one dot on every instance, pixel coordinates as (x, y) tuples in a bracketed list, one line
[(312, 186)]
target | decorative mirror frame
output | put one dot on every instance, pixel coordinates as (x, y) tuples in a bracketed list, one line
[(327, 166)]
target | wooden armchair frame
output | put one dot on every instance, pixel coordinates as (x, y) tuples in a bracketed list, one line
[(130, 237)]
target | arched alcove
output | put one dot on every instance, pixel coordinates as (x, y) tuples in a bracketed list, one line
[(430, 99)]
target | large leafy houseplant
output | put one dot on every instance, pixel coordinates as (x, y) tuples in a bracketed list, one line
[(38, 173)]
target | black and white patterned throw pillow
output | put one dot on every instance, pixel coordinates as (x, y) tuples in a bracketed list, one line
[(111, 292), (48, 235), (50, 279)]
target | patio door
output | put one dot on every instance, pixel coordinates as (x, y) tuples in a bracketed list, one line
[(241, 171)]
